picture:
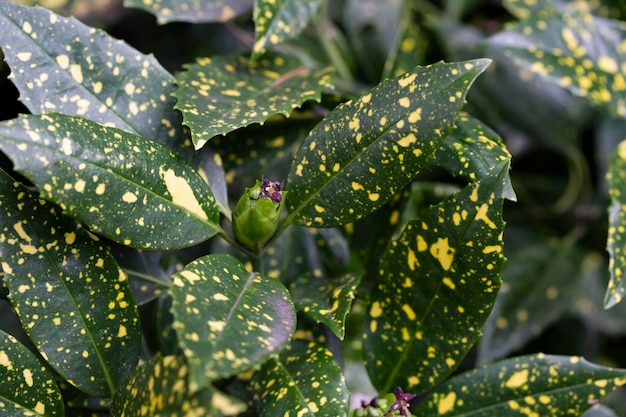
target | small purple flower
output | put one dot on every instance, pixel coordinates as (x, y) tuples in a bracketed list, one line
[(272, 190), (402, 401)]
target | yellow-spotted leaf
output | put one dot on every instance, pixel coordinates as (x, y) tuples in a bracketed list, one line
[(616, 178), (369, 148), (278, 21), (304, 380), (220, 94), (122, 186), (227, 319), (54, 71), (27, 388), (580, 52), (534, 385), (71, 297), (159, 388), (437, 284), (525, 9), (195, 11)]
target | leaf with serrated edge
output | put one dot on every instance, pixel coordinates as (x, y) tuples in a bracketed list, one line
[(437, 284), (160, 388), (304, 380), (275, 22), (122, 186), (26, 386), (227, 319), (616, 178), (192, 10), (220, 94), (538, 385), (368, 149), (118, 86), (79, 311)]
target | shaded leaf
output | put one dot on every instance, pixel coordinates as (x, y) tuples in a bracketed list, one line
[(195, 11), (275, 22), (159, 388), (304, 380), (409, 49), (541, 385), (100, 175), (616, 178), (437, 283), (227, 319), (72, 299), (26, 386), (325, 300), (220, 94), (369, 148), (55, 69)]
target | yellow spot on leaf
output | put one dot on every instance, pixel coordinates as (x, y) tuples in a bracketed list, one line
[(376, 310), (410, 314), (443, 253), (373, 196), (28, 377), (518, 379), (446, 404), (412, 260), (129, 197), (408, 140), (404, 102), (182, 193)]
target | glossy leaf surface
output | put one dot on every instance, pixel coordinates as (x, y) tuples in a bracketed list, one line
[(369, 148), (541, 385), (220, 94), (159, 388), (72, 299), (304, 380), (227, 319), (196, 11), (616, 178), (437, 283), (54, 70), (99, 175), (26, 386)]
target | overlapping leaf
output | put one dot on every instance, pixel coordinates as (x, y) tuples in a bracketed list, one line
[(580, 52), (160, 389), (304, 380), (122, 186), (227, 319), (26, 386), (71, 297), (368, 149), (55, 68), (278, 21), (438, 282), (220, 94), (196, 11), (540, 385), (616, 178)]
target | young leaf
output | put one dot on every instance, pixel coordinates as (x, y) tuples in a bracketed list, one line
[(369, 148), (579, 52), (220, 94), (122, 186), (191, 10), (54, 70), (616, 178), (535, 385), (227, 319), (304, 380), (278, 21), (72, 299), (437, 283), (159, 388), (26, 386)]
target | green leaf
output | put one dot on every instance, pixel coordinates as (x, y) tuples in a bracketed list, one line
[(369, 148), (278, 21), (159, 389), (579, 52), (26, 386), (304, 380), (227, 319), (72, 299), (220, 94), (326, 301), (54, 70), (100, 175), (616, 178), (192, 10), (437, 283), (538, 385)]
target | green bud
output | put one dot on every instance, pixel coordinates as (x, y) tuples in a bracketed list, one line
[(257, 213)]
